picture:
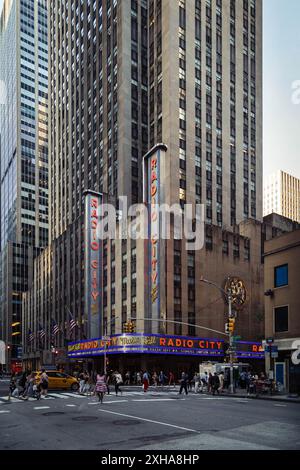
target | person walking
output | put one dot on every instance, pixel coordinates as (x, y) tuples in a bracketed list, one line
[(22, 382), (221, 378), (127, 378), (146, 381), (162, 378), (44, 382), (197, 382), (210, 382), (184, 383), (118, 382), (215, 384), (101, 387), (171, 379), (13, 389), (155, 379), (81, 382), (138, 378)]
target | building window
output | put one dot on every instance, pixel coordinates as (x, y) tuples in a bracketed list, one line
[(281, 275), (281, 319)]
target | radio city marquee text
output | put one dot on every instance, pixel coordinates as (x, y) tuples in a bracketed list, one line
[(154, 231), (95, 248)]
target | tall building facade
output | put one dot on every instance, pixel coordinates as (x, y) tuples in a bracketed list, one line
[(282, 195), (125, 75), (24, 155)]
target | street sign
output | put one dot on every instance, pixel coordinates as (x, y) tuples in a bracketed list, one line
[(270, 340), (274, 354)]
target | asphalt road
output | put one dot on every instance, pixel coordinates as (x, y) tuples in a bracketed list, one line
[(135, 421)]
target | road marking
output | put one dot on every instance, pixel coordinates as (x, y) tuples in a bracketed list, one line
[(153, 399), (282, 406), (41, 407), (71, 406), (72, 395), (151, 421), (4, 411), (93, 403), (57, 395), (115, 401)]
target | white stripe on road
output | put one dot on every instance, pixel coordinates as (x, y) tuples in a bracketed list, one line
[(57, 395), (71, 406), (116, 401), (72, 395), (153, 399), (41, 407), (282, 406), (151, 421), (5, 411)]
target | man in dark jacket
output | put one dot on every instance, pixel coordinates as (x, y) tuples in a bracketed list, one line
[(215, 383), (183, 383)]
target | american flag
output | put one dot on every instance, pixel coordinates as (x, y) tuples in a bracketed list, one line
[(54, 328), (42, 332), (72, 322), (30, 336)]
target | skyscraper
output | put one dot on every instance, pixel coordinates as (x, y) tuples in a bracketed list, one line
[(125, 75), (282, 195), (24, 154)]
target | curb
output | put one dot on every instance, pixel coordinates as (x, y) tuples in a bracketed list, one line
[(280, 399)]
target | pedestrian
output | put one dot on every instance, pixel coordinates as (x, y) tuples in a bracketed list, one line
[(44, 382), (162, 378), (210, 382), (197, 382), (138, 378), (86, 387), (171, 379), (13, 389), (221, 378), (127, 378), (118, 382), (155, 379), (204, 382), (22, 382), (81, 382), (146, 381), (101, 387), (215, 383), (184, 383)]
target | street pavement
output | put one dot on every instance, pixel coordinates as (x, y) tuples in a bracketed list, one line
[(157, 420)]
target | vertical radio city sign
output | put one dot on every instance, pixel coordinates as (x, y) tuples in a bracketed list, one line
[(154, 164), (93, 264)]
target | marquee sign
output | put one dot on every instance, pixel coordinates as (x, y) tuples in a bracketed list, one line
[(161, 344), (154, 197), (93, 264)]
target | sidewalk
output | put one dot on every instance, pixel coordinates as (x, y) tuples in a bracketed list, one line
[(240, 393)]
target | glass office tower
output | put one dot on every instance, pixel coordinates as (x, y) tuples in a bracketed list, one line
[(24, 156)]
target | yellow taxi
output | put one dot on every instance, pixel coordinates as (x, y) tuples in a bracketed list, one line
[(59, 380)]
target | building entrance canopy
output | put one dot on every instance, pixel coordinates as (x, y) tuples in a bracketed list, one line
[(162, 344)]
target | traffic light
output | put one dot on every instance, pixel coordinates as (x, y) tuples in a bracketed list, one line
[(227, 328), (126, 327), (231, 325)]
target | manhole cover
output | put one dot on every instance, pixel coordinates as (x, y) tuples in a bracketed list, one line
[(53, 413), (128, 422), (85, 418)]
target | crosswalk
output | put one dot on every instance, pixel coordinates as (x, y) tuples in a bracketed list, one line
[(77, 396)]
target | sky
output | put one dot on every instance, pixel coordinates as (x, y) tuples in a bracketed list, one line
[(281, 72)]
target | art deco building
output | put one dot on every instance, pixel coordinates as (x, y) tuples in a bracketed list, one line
[(24, 156), (125, 75)]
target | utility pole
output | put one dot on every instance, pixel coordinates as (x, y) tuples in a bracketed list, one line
[(106, 338), (231, 324)]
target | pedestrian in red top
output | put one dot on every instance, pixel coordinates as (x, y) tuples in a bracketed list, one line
[(101, 387)]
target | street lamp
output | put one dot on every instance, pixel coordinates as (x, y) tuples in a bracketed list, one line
[(231, 324)]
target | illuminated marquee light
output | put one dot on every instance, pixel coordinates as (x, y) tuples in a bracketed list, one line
[(161, 344)]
